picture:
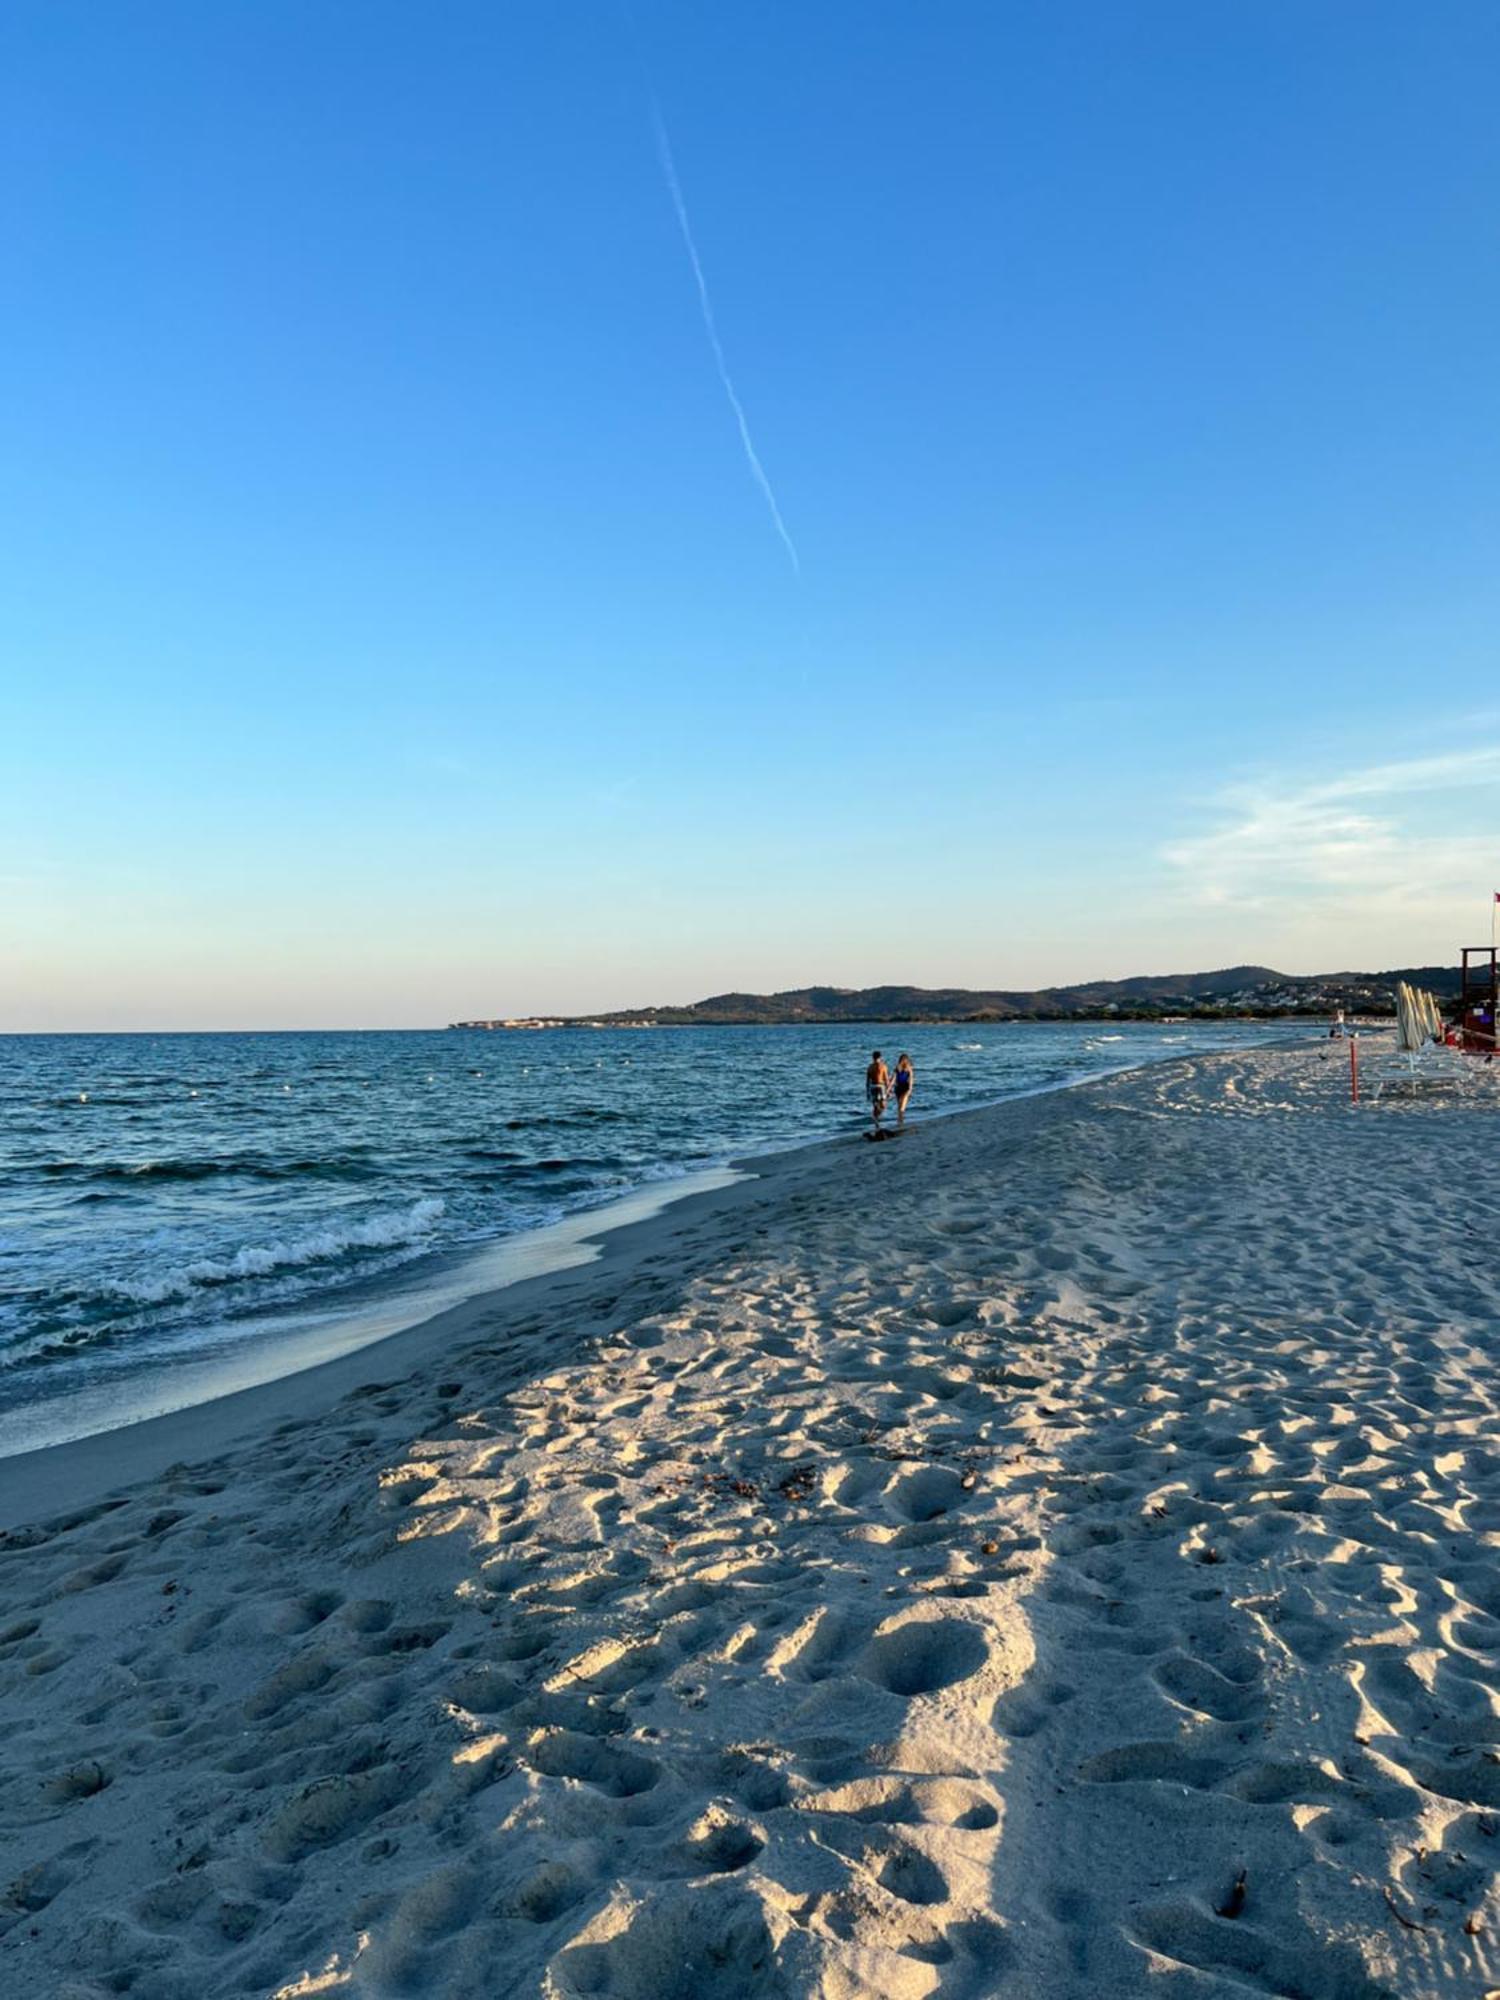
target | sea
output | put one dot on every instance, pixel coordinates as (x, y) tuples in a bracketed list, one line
[(184, 1214)]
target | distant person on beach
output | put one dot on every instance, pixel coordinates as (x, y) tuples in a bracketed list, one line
[(905, 1077), (877, 1085)]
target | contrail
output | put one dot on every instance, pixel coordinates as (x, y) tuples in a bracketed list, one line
[(752, 456)]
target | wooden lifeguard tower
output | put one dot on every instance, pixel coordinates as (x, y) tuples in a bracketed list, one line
[(1479, 997)]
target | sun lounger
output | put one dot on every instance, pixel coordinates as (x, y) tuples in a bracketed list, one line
[(1421, 1061)]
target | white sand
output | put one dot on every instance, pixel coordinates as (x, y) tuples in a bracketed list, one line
[(937, 1568)]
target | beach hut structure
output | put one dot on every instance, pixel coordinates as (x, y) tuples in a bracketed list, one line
[(1479, 995)]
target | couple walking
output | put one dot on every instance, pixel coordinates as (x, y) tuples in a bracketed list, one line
[(880, 1086)]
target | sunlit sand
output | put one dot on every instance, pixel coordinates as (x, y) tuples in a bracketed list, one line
[(1053, 1555)]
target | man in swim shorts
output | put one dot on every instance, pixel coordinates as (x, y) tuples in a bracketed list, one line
[(877, 1086)]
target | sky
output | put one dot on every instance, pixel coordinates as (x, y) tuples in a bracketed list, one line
[(525, 508)]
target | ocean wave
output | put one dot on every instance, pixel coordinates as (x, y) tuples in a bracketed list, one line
[(375, 1232), (181, 1217), (93, 1100), (521, 1165), (246, 1167), (584, 1114)]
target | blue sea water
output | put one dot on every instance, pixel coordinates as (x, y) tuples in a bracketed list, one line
[(160, 1194)]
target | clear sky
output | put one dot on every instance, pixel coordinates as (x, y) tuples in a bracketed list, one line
[(394, 627)]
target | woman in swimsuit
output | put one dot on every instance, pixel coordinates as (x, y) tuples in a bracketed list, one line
[(905, 1077)]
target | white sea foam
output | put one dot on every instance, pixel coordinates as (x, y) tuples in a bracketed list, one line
[(136, 1226), (375, 1232)]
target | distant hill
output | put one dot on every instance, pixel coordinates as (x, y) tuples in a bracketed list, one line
[(1238, 991)]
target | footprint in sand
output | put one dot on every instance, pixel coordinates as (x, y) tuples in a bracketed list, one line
[(566, 1753), (719, 1845), (714, 1939), (40, 1884), (919, 1656), (1239, 1955), (1195, 1685), (331, 1810), (927, 1494), (301, 1614)]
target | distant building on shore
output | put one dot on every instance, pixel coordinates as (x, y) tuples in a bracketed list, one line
[(1242, 992)]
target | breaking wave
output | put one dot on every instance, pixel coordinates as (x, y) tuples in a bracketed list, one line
[(376, 1232)]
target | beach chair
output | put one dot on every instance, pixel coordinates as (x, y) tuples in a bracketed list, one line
[(1421, 1061)]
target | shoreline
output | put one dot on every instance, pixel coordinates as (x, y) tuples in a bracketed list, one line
[(368, 1319), (359, 1313), (76, 1471)]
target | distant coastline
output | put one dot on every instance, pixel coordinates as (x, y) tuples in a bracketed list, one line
[(1241, 992)]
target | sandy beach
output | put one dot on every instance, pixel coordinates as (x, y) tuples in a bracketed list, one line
[(1052, 1555)]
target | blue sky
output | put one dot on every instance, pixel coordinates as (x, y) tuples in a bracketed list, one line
[(392, 627)]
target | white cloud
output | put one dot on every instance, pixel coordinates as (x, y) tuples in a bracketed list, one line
[(1457, 770), (1390, 839)]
